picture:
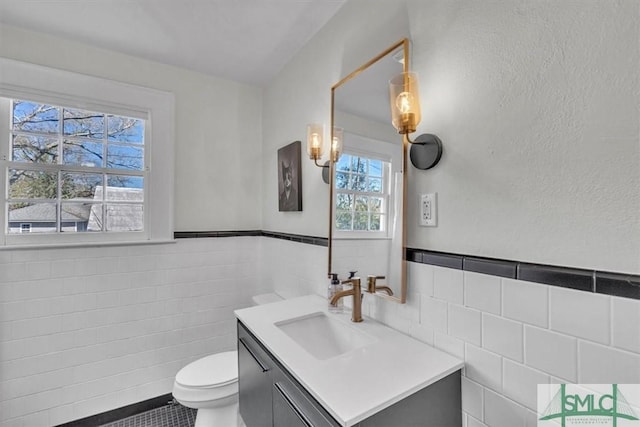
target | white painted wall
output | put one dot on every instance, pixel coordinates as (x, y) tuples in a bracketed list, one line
[(537, 105), (218, 127), (301, 94)]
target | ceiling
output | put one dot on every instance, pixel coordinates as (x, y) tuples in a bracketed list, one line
[(367, 94), (243, 40)]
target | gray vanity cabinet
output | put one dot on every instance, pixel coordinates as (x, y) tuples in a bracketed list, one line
[(271, 397), (254, 381), (293, 407)]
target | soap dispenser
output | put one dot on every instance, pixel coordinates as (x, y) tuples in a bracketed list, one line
[(334, 287)]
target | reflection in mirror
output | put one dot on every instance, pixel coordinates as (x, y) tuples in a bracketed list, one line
[(368, 185)]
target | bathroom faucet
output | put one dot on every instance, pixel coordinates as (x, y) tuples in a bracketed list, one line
[(356, 292), (372, 288)]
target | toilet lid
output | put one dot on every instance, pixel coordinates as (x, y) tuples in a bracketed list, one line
[(210, 371)]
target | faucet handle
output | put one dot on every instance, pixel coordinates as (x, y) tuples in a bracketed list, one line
[(355, 281), (371, 283)]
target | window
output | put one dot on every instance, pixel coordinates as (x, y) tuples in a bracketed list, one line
[(25, 228), (83, 159), (73, 170), (362, 194)]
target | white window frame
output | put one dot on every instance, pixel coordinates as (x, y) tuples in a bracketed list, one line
[(364, 146), (52, 86)]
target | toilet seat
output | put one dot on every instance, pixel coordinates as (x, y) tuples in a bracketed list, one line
[(209, 378), (211, 371)]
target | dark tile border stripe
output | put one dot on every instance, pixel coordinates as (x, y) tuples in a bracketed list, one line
[(310, 240), (120, 413), (622, 285), (490, 266), (199, 234), (582, 280), (616, 284), (443, 260)]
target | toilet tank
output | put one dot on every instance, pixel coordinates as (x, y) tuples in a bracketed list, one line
[(265, 298)]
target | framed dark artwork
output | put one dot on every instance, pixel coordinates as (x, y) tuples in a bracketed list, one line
[(290, 178)]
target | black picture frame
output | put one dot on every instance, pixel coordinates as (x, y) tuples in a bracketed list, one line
[(290, 178)]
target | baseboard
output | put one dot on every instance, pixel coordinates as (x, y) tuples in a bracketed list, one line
[(120, 413)]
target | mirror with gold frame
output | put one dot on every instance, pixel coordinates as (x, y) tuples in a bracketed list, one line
[(368, 182)]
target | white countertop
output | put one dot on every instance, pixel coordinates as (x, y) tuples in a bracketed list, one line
[(357, 384)]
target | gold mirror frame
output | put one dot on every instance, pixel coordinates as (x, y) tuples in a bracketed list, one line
[(404, 45)]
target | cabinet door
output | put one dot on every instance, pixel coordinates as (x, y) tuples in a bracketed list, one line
[(285, 411), (293, 407), (254, 381)]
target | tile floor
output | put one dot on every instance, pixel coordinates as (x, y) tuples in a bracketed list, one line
[(173, 415)]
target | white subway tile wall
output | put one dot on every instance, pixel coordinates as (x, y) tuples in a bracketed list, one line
[(483, 367), (433, 312), (625, 319), (84, 331), (503, 336), (74, 345), (526, 302), (568, 309), (448, 285), (599, 363), (357, 255), (551, 352), (531, 334), (294, 269), (472, 398), (483, 292), (520, 382), (465, 323), (502, 412)]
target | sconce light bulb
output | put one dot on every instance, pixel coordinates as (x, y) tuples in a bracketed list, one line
[(315, 140), (404, 101), (315, 143), (336, 143)]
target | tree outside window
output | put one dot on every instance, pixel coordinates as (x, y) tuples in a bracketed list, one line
[(72, 170)]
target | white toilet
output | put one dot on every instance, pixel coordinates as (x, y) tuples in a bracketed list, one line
[(210, 384)]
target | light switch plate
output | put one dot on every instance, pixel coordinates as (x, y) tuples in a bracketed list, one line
[(428, 210)]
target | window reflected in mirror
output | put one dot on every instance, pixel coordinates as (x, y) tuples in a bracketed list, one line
[(362, 195)]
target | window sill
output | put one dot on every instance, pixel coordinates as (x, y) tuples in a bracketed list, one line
[(363, 237)]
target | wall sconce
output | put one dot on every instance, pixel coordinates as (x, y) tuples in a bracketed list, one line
[(315, 142), (315, 147), (336, 143), (404, 98)]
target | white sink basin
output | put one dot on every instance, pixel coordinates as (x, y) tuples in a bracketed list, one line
[(324, 337)]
